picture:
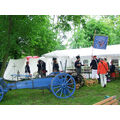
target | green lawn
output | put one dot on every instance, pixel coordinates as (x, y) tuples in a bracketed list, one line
[(83, 96)]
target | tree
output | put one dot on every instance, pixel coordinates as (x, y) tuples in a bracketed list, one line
[(7, 30), (84, 37), (78, 39), (25, 35)]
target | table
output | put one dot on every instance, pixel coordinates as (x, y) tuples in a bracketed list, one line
[(20, 76)]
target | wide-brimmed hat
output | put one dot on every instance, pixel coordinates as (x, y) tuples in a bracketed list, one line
[(94, 56), (54, 58), (78, 57)]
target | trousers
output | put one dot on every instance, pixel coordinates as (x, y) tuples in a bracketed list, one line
[(94, 74), (103, 79)]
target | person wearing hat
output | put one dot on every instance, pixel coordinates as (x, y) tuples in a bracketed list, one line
[(112, 70), (102, 71), (105, 59), (41, 68), (78, 65), (27, 68), (55, 65), (93, 66)]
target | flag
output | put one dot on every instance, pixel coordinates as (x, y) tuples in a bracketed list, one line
[(100, 42)]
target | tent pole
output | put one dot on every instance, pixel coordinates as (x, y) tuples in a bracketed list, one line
[(93, 41), (65, 65)]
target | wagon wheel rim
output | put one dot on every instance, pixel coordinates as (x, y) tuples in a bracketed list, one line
[(1, 93), (63, 85)]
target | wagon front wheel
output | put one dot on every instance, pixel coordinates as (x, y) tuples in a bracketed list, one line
[(1, 93), (63, 85)]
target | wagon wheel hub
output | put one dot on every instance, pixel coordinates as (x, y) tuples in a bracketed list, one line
[(63, 85)]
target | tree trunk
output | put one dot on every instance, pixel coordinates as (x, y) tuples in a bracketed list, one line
[(4, 65), (5, 58)]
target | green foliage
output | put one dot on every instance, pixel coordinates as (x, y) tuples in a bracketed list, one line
[(107, 26), (30, 35), (23, 35), (43, 39), (79, 39), (65, 22)]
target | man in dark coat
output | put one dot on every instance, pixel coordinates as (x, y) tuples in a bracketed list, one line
[(78, 65), (41, 68), (112, 70), (27, 68), (55, 65), (93, 66)]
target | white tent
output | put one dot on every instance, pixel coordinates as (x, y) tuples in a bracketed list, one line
[(111, 52), (13, 67), (16, 65)]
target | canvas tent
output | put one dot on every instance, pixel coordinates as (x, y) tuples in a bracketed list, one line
[(112, 52), (69, 55), (16, 65)]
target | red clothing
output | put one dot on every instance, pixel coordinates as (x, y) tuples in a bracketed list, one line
[(112, 74), (102, 67)]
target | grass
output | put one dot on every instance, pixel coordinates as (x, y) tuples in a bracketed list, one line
[(83, 96)]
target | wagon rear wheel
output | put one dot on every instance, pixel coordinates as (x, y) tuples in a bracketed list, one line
[(1, 93), (80, 80), (63, 85)]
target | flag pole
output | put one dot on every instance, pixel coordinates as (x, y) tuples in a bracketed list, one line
[(93, 41)]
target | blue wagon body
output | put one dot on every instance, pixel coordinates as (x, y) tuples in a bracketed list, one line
[(41, 83), (61, 84)]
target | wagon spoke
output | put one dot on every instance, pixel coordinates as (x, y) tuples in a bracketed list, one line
[(66, 76), (68, 90), (56, 87), (58, 90), (70, 87), (1, 92), (61, 93), (64, 92), (68, 80), (70, 84)]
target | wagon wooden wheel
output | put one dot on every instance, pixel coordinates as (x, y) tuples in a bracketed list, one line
[(80, 80), (1, 93), (63, 85)]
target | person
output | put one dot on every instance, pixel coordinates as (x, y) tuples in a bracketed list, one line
[(27, 68), (41, 68), (102, 71), (108, 67), (112, 70), (107, 63), (55, 65), (93, 66), (78, 65)]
